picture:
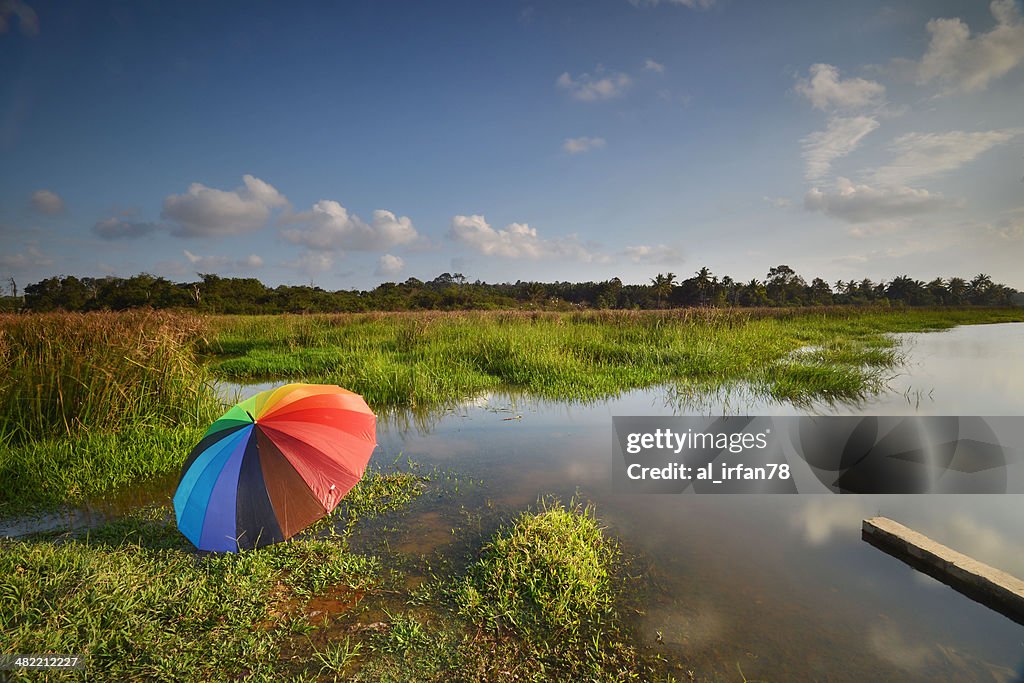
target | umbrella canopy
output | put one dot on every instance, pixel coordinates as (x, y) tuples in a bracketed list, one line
[(273, 465)]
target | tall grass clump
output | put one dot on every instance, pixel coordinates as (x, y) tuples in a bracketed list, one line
[(64, 373), (90, 402), (549, 572), (543, 593)]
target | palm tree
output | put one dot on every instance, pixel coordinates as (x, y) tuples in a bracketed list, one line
[(662, 285), (703, 284), (957, 289), (731, 290), (536, 292), (979, 288)]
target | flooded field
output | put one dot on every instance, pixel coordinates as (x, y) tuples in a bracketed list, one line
[(780, 588), (781, 585)]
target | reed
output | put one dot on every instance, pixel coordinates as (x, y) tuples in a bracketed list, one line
[(89, 402), (63, 374)]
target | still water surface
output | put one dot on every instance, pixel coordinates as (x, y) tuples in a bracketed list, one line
[(781, 587)]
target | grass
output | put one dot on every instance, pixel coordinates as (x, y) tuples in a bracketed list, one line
[(140, 608), (67, 470), (139, 603), (63, 374), (548, 572), (544, 588), (89, 402), (435, 359)]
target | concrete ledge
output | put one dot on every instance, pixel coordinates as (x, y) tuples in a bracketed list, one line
[(989, 586)]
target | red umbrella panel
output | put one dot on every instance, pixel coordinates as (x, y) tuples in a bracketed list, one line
[(273, 465)]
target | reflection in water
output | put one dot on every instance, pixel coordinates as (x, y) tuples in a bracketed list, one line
[(822, 517), (779, 585), (154, 491), (892, 645)]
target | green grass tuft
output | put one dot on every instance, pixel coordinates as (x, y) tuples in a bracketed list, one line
[(548, 572)]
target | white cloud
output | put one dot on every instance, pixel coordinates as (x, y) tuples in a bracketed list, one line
[(312, 263), (967, 63), (927, 154), (582, 144), (28, 20), (30, 257), (329, 226), (250, 261), (651, 65), (779, 202), (1010, 231), (826, 91), (862, 203), (389, 265), (209, 264), (1010, 227), (117, 228), (984, 542), (208, 212), (840, 137), (661, 254), (587, 88), (692, 4), (516, 240), (47, 201)]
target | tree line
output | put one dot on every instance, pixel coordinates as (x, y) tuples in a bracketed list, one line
[(782, 286)]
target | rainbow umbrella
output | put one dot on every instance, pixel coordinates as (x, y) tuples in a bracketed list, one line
[(273, 465)]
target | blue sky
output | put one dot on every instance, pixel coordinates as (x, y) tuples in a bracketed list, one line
[(347, 144)]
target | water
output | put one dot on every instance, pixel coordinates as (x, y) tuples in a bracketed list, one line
[(780, 586)]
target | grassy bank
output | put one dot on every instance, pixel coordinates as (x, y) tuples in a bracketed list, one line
[(65, 373), (135, 599), (91, 402), (433, 358), (538, 603)]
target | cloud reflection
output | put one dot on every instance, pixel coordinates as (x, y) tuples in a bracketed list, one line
[(821, 517)]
